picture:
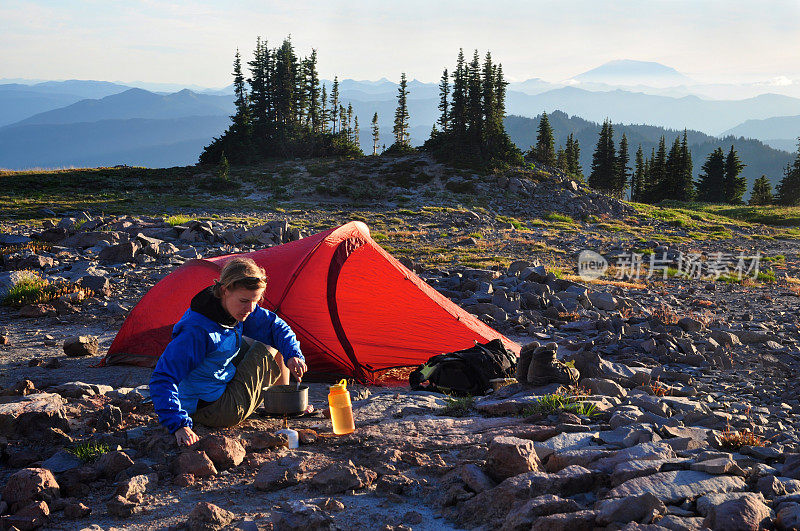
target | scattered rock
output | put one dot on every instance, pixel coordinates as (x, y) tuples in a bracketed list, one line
[(136, 486), (208, 517), (747, 512), (32, 516), (29, 485), (301, 516), (642, 509), (195, 462), (76, 509), (120, 507), (342, 477), (77, 346), (509, 456), (224, 452), (112, 463)]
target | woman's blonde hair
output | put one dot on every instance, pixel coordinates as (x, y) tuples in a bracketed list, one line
[(240, 273)]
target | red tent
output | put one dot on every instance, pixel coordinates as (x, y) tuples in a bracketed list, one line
[(355, 309)]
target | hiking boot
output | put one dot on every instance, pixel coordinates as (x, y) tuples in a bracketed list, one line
[(525, 357), (546, 369)]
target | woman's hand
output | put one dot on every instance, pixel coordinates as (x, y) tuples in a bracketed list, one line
[(186, 437), (297, 367)]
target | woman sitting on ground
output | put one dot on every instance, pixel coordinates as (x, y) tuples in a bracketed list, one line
[(221, 355)]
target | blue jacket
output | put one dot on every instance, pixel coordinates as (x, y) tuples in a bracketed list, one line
[(196, 365)]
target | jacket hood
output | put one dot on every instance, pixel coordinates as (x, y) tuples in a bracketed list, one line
[(207, 305)]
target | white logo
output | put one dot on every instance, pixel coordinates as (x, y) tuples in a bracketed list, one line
[(591, 265)]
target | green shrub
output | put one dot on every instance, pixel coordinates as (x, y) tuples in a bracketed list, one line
[(89, 451)]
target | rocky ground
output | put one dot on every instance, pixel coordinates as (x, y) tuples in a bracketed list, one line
[(684, 416)]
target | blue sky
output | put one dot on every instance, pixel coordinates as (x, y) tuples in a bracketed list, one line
[(193, 41)]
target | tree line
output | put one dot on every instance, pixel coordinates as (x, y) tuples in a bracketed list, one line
[(472, 107), (664, 174), (282, 110)]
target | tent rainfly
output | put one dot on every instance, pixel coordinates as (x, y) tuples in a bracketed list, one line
[(355, 309)]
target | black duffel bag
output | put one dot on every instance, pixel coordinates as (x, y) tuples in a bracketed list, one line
[(465, 372)]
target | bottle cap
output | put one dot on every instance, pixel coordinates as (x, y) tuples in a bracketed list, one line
[(339, 388)]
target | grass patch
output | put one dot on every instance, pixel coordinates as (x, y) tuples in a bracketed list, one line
[(178, 219), (517, 224), (457, 406), (379, 236), (33, 289), (571, 400), (476, 235), (555, 216), (89, 451)]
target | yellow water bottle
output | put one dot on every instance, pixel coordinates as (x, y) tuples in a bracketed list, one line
[(341, 409)]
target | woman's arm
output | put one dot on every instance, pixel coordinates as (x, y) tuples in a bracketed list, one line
[(183, 354), (270, 329)]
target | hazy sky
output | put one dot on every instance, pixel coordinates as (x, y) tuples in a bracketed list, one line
[(193, 41)]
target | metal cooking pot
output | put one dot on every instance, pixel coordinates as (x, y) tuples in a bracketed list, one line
[(285, 399)]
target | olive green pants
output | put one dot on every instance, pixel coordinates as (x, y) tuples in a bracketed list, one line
[(256, 369)]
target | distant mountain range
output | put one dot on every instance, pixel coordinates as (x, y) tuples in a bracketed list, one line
[(780, 132), (53, 116)]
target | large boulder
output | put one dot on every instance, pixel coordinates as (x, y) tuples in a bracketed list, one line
[(208, 517), (122, 252), (643, 509), (29, 485), (32, 415), (509, 456), (225, 452), (77, 346), (675, 486), (746, 513)]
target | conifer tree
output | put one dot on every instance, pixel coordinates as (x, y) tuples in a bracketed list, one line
[(284, 114), (324, 112), (573, 154), (762, 192), (491, 126), (637, 179), (500, 85), (561, 159), (789, 187), (259, 99), (474, 100), (659, 186), (356, 132), (241, 120), (400, 129), (604, 162), (735, 184), (458, 113), (444, 110), (343, 120), (375, 134), (349, 119), (671, 171), (622, 170), (334, 103), (684, 185), (285, 97), (711, 186), (312, 87), (544, 151)]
